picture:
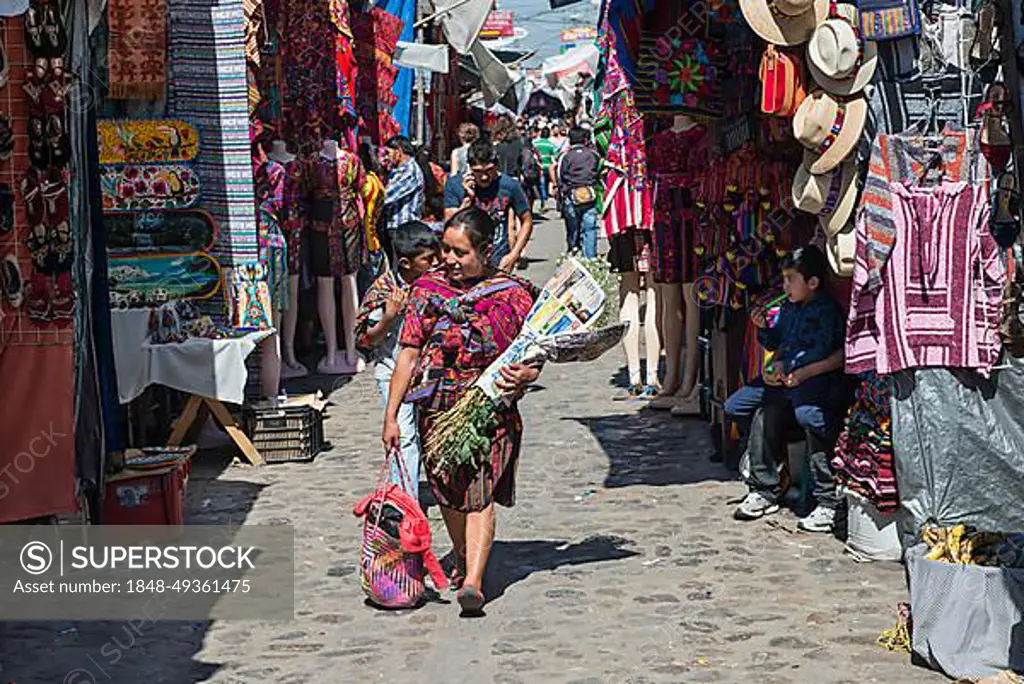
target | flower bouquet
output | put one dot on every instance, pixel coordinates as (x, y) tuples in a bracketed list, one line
[(568, 323)]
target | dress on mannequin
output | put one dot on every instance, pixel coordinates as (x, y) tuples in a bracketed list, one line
[(269, 185), (292, 219), (336, 177), (677, 157)]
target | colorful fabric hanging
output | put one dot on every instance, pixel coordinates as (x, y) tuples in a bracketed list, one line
[(138, 49)]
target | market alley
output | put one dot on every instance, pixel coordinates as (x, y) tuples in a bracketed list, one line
[(621, 564)]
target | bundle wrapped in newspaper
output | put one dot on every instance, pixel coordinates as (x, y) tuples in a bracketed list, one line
[(562, 327)]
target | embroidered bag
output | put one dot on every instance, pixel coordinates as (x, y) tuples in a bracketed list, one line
[(782, 81), (889, 19), (250, 297), (396, 544)]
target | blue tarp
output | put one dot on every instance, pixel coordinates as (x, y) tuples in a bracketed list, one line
[(406, 11)]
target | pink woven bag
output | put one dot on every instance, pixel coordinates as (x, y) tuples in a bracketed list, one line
[(392, 569)]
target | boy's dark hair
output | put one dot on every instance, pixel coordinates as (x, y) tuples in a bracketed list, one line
[(478, 224), (481, 153), (402, 144), (545, 132), (413, 238), (579, 136), (810, 262)]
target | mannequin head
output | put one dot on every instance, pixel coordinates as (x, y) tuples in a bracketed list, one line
[(468, 240), (682, 123), (330, 148), (279, 151), (804, 274)]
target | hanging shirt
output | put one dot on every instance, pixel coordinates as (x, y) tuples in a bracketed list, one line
[(404, 198), (941, 291)]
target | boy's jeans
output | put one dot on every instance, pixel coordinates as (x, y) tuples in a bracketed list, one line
[(410, 434), (580, 228), (816, 407)]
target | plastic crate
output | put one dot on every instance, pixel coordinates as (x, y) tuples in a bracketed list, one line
[(147, 497), (286, 434)]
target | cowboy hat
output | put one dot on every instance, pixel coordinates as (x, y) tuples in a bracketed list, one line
[(828, 128), (784, 22), (830, 195), (840, 60), (841, 250)]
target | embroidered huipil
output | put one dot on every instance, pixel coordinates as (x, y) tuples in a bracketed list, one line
[(939, 302), (270, 185)]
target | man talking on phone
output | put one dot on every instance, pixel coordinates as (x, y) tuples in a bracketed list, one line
[(484, 187)]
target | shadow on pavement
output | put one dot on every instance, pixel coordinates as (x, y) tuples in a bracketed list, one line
[(142, 650), (657, 449), (514, 561)]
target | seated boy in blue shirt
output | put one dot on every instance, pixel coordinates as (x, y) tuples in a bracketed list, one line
[(379, 325), (803, 386)]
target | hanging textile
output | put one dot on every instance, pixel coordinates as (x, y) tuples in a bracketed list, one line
[(138, 49), (405, 10), (210, 91), (319, 72), (376, 38)]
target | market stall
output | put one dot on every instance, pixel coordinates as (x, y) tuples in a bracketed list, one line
[(883, 134)]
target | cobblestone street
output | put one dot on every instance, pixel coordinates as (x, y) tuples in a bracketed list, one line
[(621, 564)]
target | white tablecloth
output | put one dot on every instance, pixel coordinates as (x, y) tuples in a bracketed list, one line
[(207, 368)]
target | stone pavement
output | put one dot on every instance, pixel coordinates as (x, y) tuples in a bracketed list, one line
[(621, 564)]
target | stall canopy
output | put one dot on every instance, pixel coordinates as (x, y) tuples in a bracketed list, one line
[(545, 102), (572, 67), (462, 21)]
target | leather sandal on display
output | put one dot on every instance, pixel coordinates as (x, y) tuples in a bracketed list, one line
[(34, 29), (6, 137), (37, 298), (6, 208), (10, 279), (63, 303), (38, 150)]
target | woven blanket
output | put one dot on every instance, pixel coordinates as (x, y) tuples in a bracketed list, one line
[(138, 49)]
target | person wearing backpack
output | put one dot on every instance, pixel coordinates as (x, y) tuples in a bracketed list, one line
[(576, 177), (532, 172)]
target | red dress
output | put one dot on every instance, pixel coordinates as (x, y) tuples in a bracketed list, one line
[(453, 355)]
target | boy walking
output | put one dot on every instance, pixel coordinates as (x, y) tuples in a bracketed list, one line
[(803, 386), (379, 325)]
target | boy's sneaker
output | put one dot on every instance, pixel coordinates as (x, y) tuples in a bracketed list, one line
[(755, 506), (821, 519)]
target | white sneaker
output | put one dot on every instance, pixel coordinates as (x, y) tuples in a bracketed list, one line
[(754, 507), (821, 519)]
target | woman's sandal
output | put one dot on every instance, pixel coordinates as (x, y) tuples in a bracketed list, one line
[(471, 600)]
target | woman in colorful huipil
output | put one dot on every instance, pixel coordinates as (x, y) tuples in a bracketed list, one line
[(459, 319)]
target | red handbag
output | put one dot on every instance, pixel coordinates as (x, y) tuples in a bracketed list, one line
[(782, 81)]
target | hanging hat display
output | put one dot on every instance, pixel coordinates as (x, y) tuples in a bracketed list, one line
[(784, 22), (841, 61), (829, 129), (831, 196)]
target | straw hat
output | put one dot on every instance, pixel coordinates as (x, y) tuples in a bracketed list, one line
[(839, 59), (829, 129), (784, 22), (831, 195), (841, 250)]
